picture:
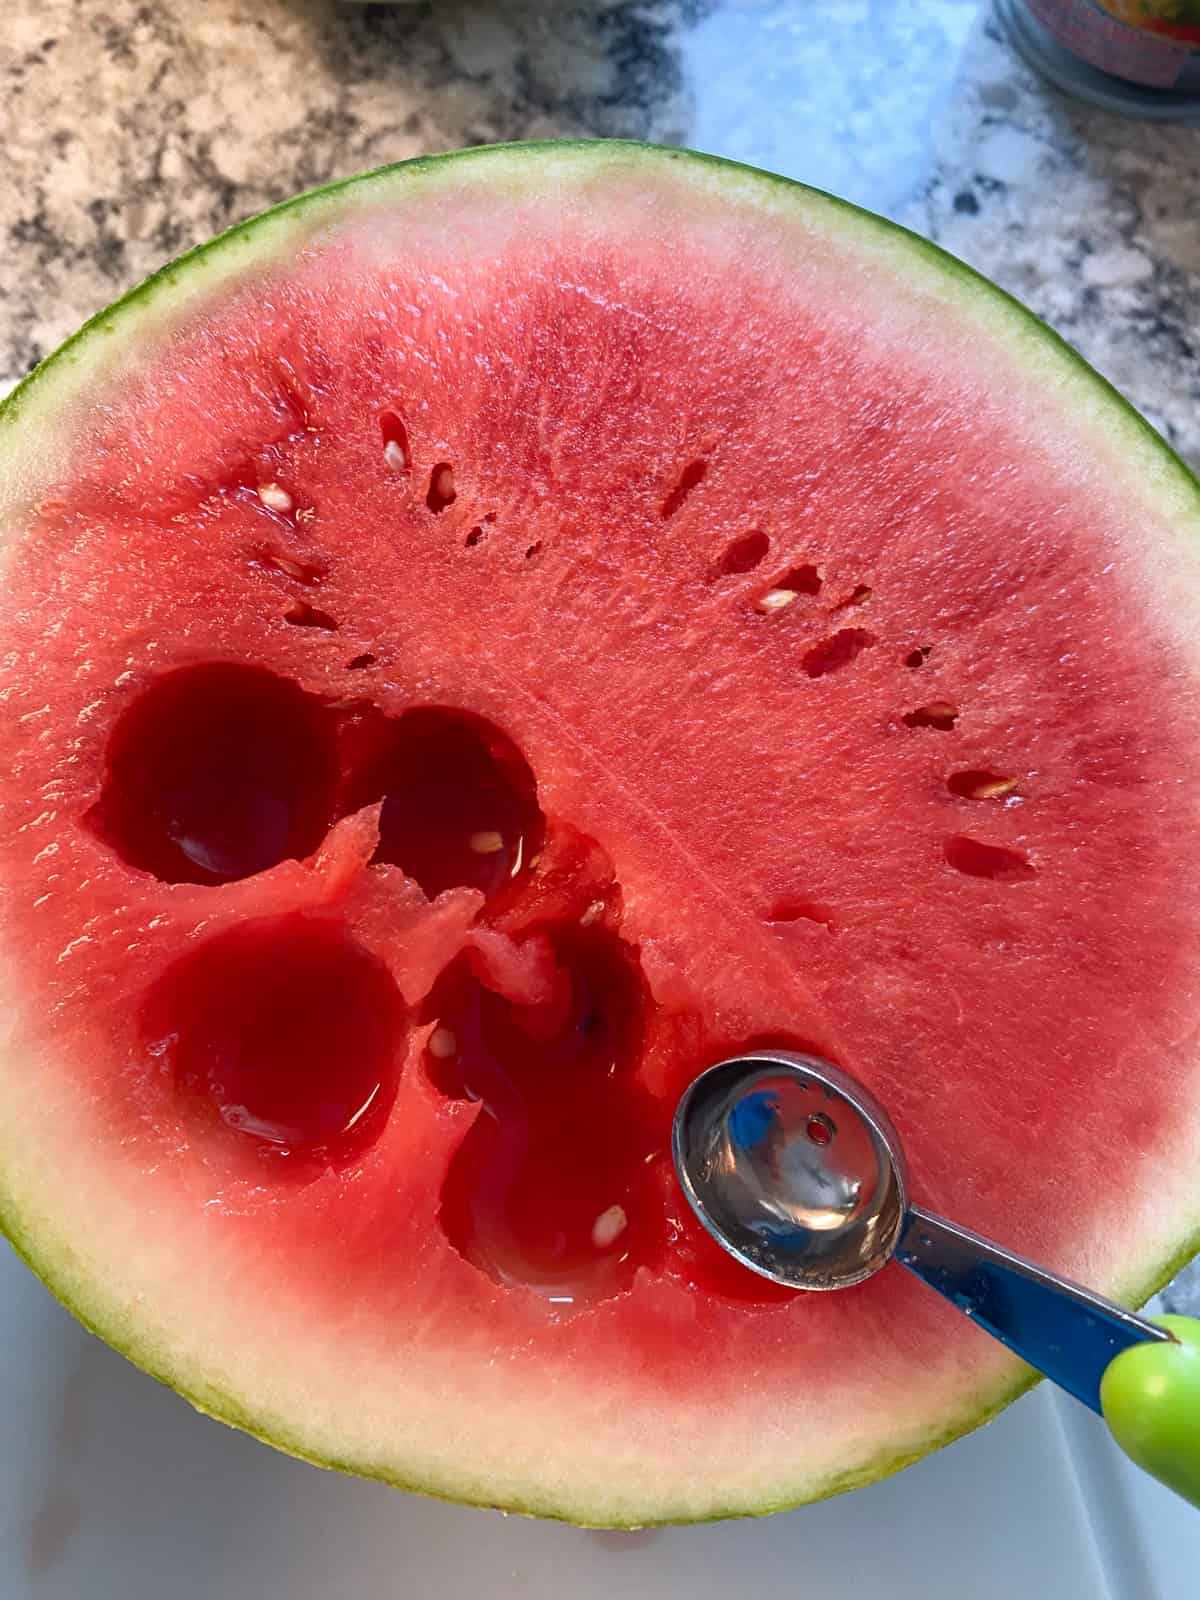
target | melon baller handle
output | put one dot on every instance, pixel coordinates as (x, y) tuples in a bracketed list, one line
[(1062, 1329), (798, 1172), (1075, 1337)]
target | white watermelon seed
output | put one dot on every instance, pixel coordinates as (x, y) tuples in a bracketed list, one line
[(442, 1044), (609, 1226), (274, 498), (775, 599), (393, 454), (594, 911), (487, 842)]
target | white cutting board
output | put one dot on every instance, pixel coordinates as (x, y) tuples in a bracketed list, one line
[(113, 1489)]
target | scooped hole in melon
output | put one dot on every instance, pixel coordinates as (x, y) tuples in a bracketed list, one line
[(217, 772), (459, 801), (282, 1031), (552, 1187)]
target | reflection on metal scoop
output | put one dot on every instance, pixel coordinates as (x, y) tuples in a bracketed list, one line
[(797, 1171)]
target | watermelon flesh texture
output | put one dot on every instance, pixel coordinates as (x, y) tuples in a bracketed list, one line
[(482, 643)]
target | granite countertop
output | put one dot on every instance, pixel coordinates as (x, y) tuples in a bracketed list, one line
[(135, 128)]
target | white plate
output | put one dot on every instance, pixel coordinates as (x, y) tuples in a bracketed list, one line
[(113, 1489)]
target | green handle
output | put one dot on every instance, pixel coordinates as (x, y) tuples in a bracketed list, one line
[(1150, 1395)]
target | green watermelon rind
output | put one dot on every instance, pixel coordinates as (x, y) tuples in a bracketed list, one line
[(81, 361)]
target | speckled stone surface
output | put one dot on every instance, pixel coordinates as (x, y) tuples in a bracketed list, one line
[(132, 129)]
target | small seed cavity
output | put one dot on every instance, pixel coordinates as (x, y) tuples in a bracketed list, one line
[(357, 663), (802, 580), (797, 908), (486, 842), (442, 1044), (938, 714), (981, 784), (534, 549), (275, 498), (395, 442), (442, 492), (858, 596), (473, 538), (836, 652), (743, 555), (690, 478), (609, 1226), (301, 615), (918, 657), (979, 860), (309, 573)]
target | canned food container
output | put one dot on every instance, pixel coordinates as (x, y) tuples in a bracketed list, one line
[(1138, 57)]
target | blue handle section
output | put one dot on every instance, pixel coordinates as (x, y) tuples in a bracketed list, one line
[(1065, 1331)]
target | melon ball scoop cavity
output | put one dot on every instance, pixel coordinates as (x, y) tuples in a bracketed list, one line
[(799, 1174)]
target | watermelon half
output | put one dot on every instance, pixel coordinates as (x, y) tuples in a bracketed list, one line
[(482, 642)]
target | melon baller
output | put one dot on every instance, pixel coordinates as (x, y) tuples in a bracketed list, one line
[(799, 1174)]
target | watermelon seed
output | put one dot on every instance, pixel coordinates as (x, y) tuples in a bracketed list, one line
[(980, 785), (979, 860), (609, 1226), (395, 442), (275, 498), (743, 555), (939, 714), (838, 651), (357, 662), (302, 615), (775, 600), (487, 842), (442, 492), (918, 657), (442, 1044), (690, 478), (593, 913)]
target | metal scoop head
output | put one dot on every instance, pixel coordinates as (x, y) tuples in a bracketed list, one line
[(792, 1168)]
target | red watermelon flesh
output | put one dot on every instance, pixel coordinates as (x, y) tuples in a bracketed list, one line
[(490, 639)]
